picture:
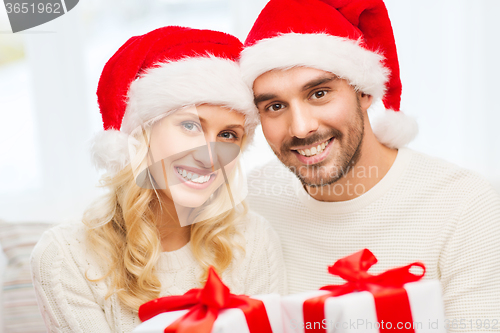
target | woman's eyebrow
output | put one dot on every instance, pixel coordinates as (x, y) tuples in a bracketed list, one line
[(235, 126), (184, 114), (230, 126)]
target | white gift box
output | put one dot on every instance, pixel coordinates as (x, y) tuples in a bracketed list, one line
[(228, 321), (355, 312)]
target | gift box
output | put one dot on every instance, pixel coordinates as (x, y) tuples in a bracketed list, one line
[(212, 310), (392, 301)]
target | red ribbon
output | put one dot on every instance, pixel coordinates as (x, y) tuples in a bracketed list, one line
[(204, 306), (391, 300)]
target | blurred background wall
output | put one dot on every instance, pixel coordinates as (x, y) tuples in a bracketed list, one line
[(447, 49)]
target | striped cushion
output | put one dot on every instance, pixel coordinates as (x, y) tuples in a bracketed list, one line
[(20, 310)]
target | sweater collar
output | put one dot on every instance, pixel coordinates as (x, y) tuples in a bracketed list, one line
[(174, 260), (345, 207)]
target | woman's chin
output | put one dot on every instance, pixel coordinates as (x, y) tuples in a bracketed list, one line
[(189, 199)]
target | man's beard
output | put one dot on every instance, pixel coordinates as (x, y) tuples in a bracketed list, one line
[(335, 166)]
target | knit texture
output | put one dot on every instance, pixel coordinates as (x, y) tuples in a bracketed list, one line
[(70, 303), (424, 209)]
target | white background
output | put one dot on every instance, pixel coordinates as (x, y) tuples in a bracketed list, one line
[(448, 51)]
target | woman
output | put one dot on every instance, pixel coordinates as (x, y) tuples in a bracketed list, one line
[(176, 116)]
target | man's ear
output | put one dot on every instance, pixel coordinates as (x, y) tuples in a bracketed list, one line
[(365, 100)]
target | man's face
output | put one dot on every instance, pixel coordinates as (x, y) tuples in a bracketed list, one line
[(313, 121)]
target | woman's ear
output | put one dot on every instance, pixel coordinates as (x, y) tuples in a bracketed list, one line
[(365, 100)]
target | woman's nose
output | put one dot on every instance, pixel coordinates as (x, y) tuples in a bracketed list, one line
[(204, 156)]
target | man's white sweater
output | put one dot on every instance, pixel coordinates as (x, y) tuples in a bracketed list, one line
[(424, 209)]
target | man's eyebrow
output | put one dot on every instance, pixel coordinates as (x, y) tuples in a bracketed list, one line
[(318, 81), (263, 97)]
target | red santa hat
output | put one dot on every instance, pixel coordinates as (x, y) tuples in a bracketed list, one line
[(160, 72), (350, 38)]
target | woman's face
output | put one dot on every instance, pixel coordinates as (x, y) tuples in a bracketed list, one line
[(188, 149)]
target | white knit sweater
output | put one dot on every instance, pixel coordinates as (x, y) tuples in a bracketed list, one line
[(70, 303), (424, 209)]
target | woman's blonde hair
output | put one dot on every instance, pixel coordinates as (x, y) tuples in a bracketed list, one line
[(123, 225)]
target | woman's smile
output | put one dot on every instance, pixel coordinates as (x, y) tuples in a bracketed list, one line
[(193, 177)]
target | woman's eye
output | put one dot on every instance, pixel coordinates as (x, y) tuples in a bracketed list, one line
[(275, 107), (318, 94), (190, 126), (228, 136)]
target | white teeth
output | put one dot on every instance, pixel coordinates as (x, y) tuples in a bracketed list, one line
[(200, 179), (194, 177), (314, 150)]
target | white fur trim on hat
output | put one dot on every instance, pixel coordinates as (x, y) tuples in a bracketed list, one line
[(170, 86), (344, 57), (393, 129), (191, 81)]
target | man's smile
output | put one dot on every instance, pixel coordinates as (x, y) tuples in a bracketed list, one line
[(312, 149), (314, 153)]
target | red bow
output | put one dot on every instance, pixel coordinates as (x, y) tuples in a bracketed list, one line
[(391, 300), (204, 305)]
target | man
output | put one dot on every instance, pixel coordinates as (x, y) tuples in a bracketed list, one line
[(316, 67)]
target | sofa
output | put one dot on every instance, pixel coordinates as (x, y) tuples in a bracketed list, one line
[(19, 311)]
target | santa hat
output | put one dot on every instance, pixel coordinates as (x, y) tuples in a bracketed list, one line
[(162, 71), (350, 38)]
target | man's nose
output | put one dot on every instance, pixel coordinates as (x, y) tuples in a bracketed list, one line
[(302, 122)]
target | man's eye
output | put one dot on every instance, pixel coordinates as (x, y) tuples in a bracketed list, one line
[(190, 126), (318, 94), (275, 107)]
